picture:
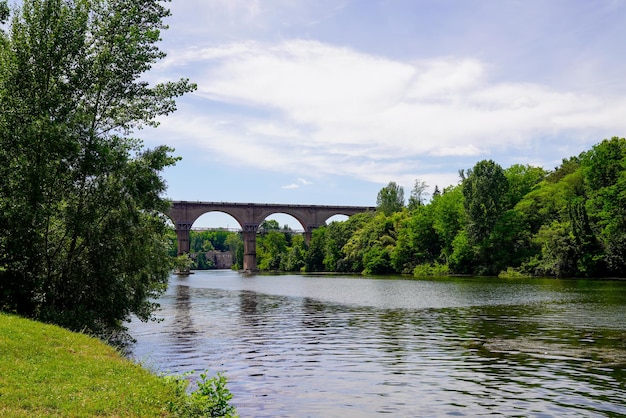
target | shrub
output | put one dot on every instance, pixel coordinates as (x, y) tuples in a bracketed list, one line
[(210, 399), (435, 269)]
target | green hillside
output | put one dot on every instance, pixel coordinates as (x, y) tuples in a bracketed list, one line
[(48, 371)]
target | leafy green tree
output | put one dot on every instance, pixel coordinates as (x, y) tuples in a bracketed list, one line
[(521, 179), (294, 260), (271, 247), (604, 173), (484, 191), (417, 241), (326, 251), (484, 197), (369, 249), (448, 218), (463, 259), (82, 241), (558, 251), (269, 225), (314, 259), (4, 12), (390, 199), (562, 241), (510, 240)]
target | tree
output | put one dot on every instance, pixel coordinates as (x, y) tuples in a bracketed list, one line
[(521, 180), (4, 12), (314, 258), (417, 242), (269, 225), (271, 248), (418, 194), (294, 258), (370, 247), (484, 191), (604, 173), (390, 198), (82, 241), (448, 218)]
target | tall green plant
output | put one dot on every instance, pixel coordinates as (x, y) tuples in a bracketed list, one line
[(81, 200)]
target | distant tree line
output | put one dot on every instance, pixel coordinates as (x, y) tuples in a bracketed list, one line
[(522, 220)]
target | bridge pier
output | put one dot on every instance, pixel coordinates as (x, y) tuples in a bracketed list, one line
[(249, 246), (308, 233), (182, 235)]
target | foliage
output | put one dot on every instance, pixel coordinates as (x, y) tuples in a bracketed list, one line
[(270, 249), (417, 241), (183, 263), (484, 191), (604, 172), (210, 399), (4, 12), (435, 269), (314, 258), (85, 194), (294, 259), (511, 273), (390, 198)]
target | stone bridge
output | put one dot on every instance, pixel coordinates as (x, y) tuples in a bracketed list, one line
[(249, 216)]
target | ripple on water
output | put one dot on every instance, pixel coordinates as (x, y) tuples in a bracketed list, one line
[(307, 346)]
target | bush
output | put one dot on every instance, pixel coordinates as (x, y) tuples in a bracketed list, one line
[(210, 399), (512, 273), (435, 269)]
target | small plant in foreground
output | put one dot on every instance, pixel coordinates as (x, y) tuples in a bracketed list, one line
[(210, 399)]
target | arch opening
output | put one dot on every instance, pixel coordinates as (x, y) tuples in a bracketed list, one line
[(216, 220), (215, 242)]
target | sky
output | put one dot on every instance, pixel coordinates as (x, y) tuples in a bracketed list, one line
[(327, 101)]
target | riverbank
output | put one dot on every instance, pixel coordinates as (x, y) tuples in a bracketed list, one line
[(48, 371)]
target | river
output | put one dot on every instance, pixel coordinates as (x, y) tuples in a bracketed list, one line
[(352, 346)]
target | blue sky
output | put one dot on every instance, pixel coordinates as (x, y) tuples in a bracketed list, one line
[(326, 101)]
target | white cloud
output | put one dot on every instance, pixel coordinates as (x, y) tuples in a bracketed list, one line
[(305, 106), (300, 182)]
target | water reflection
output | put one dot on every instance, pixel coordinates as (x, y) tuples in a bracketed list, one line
[(182, 324), (310, 346)]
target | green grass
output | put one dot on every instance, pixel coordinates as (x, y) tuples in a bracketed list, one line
[(46, 371)]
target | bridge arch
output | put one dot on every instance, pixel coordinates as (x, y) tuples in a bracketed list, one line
[(249, 216)]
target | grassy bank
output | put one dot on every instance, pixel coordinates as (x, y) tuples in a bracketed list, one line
[(46, 371)]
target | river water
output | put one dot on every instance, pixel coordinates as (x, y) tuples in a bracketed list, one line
[(350, 346)]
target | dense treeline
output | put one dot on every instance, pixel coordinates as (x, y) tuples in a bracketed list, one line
[(522, 220), (567, 222)]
